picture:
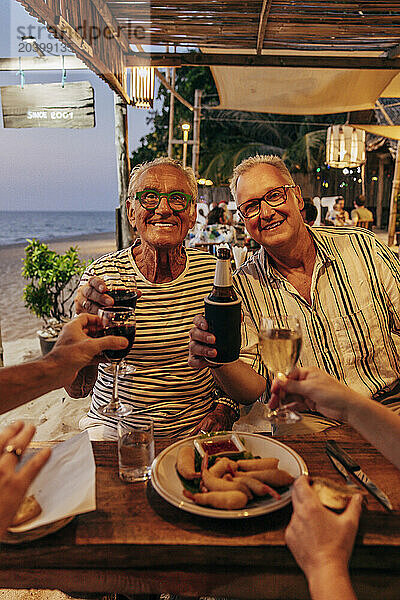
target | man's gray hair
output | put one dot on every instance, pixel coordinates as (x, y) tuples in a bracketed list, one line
[(253, 161), (164, 160)]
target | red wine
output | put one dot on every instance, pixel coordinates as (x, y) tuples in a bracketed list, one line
[(123, 297), (127, 331)]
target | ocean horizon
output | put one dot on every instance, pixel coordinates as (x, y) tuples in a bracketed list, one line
[(18, 226)]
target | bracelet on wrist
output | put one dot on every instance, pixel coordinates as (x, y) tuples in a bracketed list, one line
[(232, 405)]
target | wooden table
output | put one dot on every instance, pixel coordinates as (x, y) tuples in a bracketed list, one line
[(137, 543)]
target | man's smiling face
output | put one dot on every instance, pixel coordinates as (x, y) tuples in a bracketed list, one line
[(277, 227), (162, 227)]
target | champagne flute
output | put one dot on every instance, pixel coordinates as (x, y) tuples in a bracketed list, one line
[(117, 320), (279, 341), (123, 290)]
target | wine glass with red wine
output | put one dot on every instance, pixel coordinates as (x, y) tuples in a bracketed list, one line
[(121, 321), (123, 291)]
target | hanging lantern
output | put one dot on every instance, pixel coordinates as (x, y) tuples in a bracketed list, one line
[(142, 87), (345, 146)]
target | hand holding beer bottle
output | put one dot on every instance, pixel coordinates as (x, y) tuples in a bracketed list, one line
[(220, 330)]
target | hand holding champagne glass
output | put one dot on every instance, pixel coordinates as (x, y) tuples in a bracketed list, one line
[(117, 320), (279, 340)]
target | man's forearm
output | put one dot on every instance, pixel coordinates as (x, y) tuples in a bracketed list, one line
[(23, 383), (83, 382), (240, 382)]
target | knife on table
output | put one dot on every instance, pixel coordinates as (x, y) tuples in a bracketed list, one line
[(339, 467), (334, 450)]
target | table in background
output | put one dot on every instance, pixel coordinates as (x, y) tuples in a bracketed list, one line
[(137, 543)]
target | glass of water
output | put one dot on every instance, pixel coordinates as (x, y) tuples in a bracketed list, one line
[(135, 450)]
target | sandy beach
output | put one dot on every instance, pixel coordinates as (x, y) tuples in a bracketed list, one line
[(55, 415)]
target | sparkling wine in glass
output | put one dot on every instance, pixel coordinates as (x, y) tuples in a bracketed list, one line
[(121, 321), (279, 340)]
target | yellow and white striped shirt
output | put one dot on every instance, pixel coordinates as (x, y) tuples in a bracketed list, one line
[(351, 326), (163, 387)]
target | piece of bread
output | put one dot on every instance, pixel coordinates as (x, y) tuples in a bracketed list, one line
[(29, 509), (334, 495)]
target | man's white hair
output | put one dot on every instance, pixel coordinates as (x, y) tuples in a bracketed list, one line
[(164, 160), (253, 161)]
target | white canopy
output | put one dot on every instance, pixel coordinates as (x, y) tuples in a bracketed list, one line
[(298, 91)]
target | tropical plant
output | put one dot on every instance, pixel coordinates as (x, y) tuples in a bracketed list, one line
[(53, 279)]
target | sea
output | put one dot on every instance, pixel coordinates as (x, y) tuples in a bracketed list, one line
[(18, 226)]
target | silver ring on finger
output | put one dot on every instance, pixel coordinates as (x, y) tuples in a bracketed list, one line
[(85, 304), (11, 449)]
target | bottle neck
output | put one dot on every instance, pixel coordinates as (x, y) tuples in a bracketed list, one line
[(223, 274)]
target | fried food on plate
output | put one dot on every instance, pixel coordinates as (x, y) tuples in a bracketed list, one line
[(29, 509)]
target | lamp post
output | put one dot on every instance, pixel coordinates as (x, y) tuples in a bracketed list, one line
[(185, 130)]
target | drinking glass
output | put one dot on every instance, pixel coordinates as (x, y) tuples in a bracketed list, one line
[(117, 320), (135, 450), (279, 340), (124, 293)]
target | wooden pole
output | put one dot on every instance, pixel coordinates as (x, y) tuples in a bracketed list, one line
[(393, 199), (171, 114), (196, 132), (379, 195), (363, 186), (123, 166)]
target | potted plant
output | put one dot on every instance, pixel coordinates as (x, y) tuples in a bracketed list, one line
[(53, 279)]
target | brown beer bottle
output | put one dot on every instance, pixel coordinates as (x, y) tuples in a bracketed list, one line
[(223, 311)]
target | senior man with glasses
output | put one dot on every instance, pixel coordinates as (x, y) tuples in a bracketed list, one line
[(342, 284), (173, 282)]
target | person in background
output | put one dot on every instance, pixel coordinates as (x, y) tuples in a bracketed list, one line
[(74, 349), (360, 213), (309, 212), (344, 215), (227, 218), (320, 540)]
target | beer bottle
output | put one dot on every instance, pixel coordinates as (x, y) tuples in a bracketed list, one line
[(223, 311)]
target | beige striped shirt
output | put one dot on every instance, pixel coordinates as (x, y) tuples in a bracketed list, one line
[(351, 328), (163, 387)]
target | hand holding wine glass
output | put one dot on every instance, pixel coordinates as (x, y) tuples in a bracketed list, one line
[(124, 292), (279, 340), (121, 321)]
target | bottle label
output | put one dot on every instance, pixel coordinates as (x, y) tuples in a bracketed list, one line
[(224, 321), (223, 274)]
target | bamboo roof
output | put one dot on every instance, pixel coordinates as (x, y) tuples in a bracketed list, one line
[(311, 34), (297, 24)]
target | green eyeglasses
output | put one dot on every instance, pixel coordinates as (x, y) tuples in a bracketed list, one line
[(275, 197), (150, 200)]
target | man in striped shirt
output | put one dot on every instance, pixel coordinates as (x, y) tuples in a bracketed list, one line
[(342, 284), (173, 282)]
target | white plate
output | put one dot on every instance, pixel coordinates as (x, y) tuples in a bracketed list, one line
[(167, 483)]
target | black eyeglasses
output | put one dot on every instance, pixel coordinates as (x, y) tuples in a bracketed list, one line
[(251, 208), (150, 200)]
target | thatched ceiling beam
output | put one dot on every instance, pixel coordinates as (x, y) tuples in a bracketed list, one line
[(392, 52), (158, 59), (119, 36), (262, 25)]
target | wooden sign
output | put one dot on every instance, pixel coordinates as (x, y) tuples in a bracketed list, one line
[(49, 105)]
